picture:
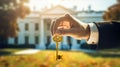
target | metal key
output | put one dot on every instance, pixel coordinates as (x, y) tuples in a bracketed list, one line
[(57, 39)]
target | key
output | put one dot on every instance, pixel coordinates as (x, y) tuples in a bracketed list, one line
[(57, 39)]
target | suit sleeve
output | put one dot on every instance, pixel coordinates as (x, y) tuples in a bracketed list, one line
[(109, 35)]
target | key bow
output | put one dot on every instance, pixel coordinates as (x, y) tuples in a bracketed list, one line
[(57, 38)]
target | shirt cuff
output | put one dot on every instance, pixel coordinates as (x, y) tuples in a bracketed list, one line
[(94, 34)]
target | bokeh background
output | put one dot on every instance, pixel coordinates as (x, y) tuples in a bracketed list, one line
[(26, 41)]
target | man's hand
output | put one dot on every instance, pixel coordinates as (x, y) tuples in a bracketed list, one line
[(70, 26)]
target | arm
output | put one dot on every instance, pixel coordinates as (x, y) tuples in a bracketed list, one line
[(106, 35), (109, 35)]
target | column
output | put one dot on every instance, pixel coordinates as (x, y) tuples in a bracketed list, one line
[(52, 44), (32, 31), (65, 40), (51, 39), (21, 38), (31, 39), (41, 43), (64, 45), (11, 41), (74, 46)]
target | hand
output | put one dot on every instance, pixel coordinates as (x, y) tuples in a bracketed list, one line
[(68, 25)]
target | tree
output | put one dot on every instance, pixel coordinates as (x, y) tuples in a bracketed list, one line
[(10, 11), (113, 12)]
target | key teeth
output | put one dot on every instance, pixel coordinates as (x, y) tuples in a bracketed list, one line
[(59, 57)]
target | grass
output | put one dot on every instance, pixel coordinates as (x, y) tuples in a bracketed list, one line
[(47, 58)]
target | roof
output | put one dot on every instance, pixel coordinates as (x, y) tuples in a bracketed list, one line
[(90, 13), (58, 10)]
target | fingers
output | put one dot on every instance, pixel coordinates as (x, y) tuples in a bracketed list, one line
[(66, 21), (63, 32), (57, 23)]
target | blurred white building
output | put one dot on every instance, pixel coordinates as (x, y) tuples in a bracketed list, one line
[(35, 28), (90, 15)]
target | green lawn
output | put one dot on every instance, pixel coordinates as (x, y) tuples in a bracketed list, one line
[(46, 58)]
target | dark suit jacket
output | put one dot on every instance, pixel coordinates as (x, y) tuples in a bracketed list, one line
[(109, 35)]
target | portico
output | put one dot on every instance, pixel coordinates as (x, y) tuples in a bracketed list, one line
[(35, 30), (45, 21)]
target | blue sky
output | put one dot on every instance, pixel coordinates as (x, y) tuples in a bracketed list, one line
[(96, 4)]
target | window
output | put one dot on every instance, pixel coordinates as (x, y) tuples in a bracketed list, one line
[(48, 39), (69, 39), (47, 21), (26, 27), (26, 40), (36, 39), (78, 41), (16, 40), (36, 26), (48, 26)]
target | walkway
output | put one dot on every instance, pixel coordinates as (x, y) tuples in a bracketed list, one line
[(28, 51)]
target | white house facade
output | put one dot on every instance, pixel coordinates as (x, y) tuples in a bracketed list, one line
[(35, 28)]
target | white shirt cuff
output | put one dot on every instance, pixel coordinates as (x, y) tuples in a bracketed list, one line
[(94, 34)]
